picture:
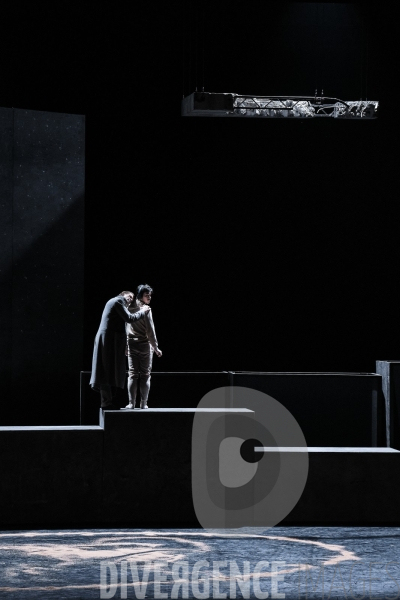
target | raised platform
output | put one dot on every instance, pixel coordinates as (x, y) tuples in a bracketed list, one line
[(135, 471), (147, 464), (332, 409), (50, 475)]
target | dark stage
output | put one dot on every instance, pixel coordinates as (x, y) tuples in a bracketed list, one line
[(271, 245)]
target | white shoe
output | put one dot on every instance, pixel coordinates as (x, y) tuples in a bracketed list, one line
[(129, 407), (143, 405)]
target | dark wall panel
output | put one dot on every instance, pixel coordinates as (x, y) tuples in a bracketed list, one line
[(47, 320), (332, 409), (42, 176), (6, 211)]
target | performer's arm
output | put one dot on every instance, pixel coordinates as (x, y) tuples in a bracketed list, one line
[(151, 333), (126, 315)]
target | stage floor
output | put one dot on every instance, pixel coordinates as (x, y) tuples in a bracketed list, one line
[(323, 562)]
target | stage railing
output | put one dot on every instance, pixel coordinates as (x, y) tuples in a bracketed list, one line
[(333, 409)]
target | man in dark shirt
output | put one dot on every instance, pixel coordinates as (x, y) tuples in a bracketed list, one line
[(109, 366)]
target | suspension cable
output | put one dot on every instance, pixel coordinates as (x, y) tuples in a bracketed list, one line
[(183, 48), (362, 55), (204, 19), (196, 42), (317, 46), (366, 70), (190, 28), (323, 47)]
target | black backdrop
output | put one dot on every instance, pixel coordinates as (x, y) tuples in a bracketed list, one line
[(271, 245)]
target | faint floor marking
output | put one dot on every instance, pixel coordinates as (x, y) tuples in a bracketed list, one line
[(67, 555)]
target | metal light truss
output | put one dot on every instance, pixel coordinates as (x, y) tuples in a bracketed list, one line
[(206, 104)]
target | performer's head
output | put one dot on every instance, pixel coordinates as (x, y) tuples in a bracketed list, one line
[(129, 296), (143, 293)]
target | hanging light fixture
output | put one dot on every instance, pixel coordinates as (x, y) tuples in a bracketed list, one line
[(206, 104)]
